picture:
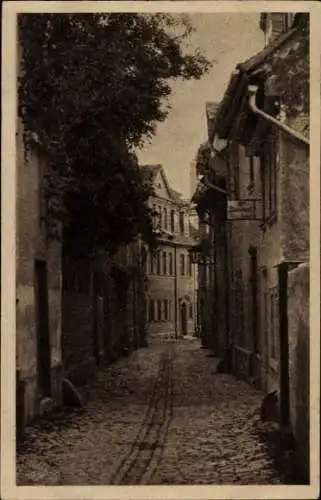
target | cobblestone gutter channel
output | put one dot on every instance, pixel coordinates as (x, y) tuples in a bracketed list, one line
[(161, 416), (141, 461)]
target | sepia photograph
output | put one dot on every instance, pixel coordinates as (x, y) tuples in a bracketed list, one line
[(162, 247)]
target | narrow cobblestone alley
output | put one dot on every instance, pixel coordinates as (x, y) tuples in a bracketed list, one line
[(161, 416)]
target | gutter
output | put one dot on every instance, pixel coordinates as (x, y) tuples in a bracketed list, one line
[(252, 89)]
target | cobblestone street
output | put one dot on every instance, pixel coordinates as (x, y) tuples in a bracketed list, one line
[(161, 416)]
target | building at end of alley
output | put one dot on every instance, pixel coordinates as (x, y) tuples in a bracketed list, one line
[(171, 276)]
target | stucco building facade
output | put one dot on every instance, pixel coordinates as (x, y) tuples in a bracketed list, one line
[(38, 292), (260, 232), (171, 304)]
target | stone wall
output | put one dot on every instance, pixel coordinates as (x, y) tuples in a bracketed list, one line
[(294, 161), (298, 324)]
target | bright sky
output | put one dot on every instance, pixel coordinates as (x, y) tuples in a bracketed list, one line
[(228, 39)]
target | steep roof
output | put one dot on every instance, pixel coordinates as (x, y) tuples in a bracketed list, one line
[(176, 194), (234, 102), (149, 174), (150, 171)]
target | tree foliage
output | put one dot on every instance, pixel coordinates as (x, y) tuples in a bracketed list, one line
[(293, 70), (92, 88), (203, 159)]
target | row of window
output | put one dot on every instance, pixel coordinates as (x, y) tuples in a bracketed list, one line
[(166, 219), (267, 168), (268, 312), (162, 263), (161, 310)]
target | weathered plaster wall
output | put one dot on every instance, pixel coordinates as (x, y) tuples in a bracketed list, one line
[(161, 287), (32, 245), (243, 234), (294, 160), (298, 323)]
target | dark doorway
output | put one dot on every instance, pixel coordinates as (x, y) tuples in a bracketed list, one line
[(183, 319), (43, 329)]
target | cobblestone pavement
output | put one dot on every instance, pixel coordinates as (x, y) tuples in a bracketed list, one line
[(161, 416)]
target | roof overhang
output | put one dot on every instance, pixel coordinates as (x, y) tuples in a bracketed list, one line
[(234, 115)]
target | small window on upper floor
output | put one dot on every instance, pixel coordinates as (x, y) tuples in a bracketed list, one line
[(165, 219), (164, 263), (182, 264), (158, 263), (190, 269), (160, 217), (181, 222), (173, 221), (268, 161), (166, 310), (159, 310), (170, 263), (251, 160)]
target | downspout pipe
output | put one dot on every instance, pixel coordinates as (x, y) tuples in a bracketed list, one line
[(253, 89), (213, 186)]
